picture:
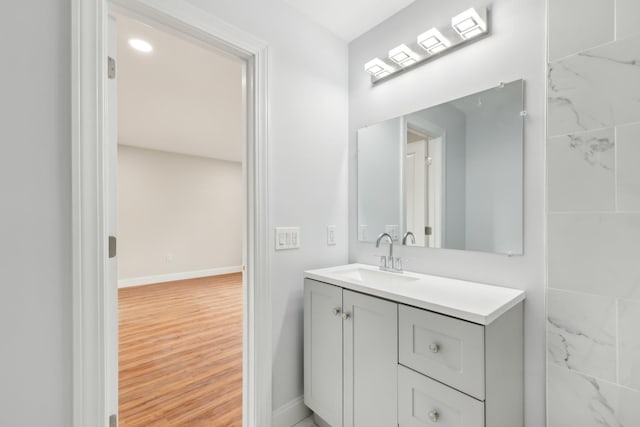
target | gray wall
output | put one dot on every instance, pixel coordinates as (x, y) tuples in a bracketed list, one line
[(379, 172), (593, 154), (516, 49), (452, 122), (494, 173), (35, 231)]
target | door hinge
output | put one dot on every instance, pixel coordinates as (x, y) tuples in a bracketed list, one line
[(427, 231), (111, 67), (113, 420), (112, 246)]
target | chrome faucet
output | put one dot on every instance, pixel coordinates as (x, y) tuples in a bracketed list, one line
[(387, 263), (408, 234)]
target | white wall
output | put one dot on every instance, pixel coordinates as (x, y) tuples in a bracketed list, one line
[(308, 187), (35, 226), (516, 49), (177, 213), (308, 172)]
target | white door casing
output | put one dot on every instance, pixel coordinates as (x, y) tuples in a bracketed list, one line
[(415, 187), (435, 192), (94, 302), (111, 290)]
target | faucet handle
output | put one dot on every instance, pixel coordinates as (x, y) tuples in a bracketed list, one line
[(397, 264)]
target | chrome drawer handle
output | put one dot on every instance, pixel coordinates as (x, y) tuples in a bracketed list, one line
[(346, 316), (434, 348), (433, 416), (336, 311)]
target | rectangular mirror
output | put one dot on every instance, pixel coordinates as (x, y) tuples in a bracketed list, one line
[(450, 175)]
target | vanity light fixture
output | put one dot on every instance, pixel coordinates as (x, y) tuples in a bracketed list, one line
[(433, 41), (378, 68), (403, 56), (464, 28), (469, 24)]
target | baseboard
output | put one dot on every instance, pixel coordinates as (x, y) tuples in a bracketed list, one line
[(160, 278), (290, 413)]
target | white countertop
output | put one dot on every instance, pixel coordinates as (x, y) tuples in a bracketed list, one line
[(471, 301)]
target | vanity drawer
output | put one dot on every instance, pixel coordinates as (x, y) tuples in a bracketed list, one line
[(423, 402), (444, 348)]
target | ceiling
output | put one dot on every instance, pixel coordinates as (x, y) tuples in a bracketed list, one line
[(351, 18), (182, 97)]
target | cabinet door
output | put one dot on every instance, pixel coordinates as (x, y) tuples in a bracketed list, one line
[(370, 361), (323, 350)]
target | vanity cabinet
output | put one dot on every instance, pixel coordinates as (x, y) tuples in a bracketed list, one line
[(350, 356), (378, 360)]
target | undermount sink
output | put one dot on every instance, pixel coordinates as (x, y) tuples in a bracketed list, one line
[(374, 277)]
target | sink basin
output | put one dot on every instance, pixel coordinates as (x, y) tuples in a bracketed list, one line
[(374, 277)]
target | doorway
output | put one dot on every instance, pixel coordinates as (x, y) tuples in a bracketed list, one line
[(94, 289), (177, 125)]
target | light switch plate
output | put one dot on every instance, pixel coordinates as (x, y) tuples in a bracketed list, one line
[(331, 235), (287, 238)]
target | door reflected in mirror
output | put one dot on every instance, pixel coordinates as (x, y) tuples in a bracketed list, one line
[(450, 175)]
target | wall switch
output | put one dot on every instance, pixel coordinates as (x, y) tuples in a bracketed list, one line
[(287, 238), (331, 235)]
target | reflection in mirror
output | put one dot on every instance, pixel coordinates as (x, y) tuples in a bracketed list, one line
[(452, 174)]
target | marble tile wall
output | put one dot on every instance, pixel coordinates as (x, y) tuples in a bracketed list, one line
[(593, 213)]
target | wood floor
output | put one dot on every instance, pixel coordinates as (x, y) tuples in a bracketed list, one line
[(180, 353)]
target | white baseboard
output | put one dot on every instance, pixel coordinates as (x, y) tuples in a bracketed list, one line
[(290, 413), (160, 278)]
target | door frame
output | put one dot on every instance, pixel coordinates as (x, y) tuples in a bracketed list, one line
[(91, 317)]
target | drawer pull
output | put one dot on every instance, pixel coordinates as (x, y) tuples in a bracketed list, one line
[(434, 348), (433, 416), (336, 311), (346, 316)]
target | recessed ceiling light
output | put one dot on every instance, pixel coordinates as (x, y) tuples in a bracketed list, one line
[(469, 23), (433, 41), (141, 45)]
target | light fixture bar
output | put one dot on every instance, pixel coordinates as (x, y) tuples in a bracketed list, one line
[(464, 27), (469, 23)]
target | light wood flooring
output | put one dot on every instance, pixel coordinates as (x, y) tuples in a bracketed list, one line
[(180, 353)]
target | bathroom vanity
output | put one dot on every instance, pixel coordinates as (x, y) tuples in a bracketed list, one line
[(386, 349)]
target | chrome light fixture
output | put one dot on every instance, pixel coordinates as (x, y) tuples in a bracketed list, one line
[(464, 27), (469, 24), (403, 56)]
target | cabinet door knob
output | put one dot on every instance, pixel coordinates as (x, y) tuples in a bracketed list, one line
[(434, 347), (433, 416), (346, 316), (336, 311)]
